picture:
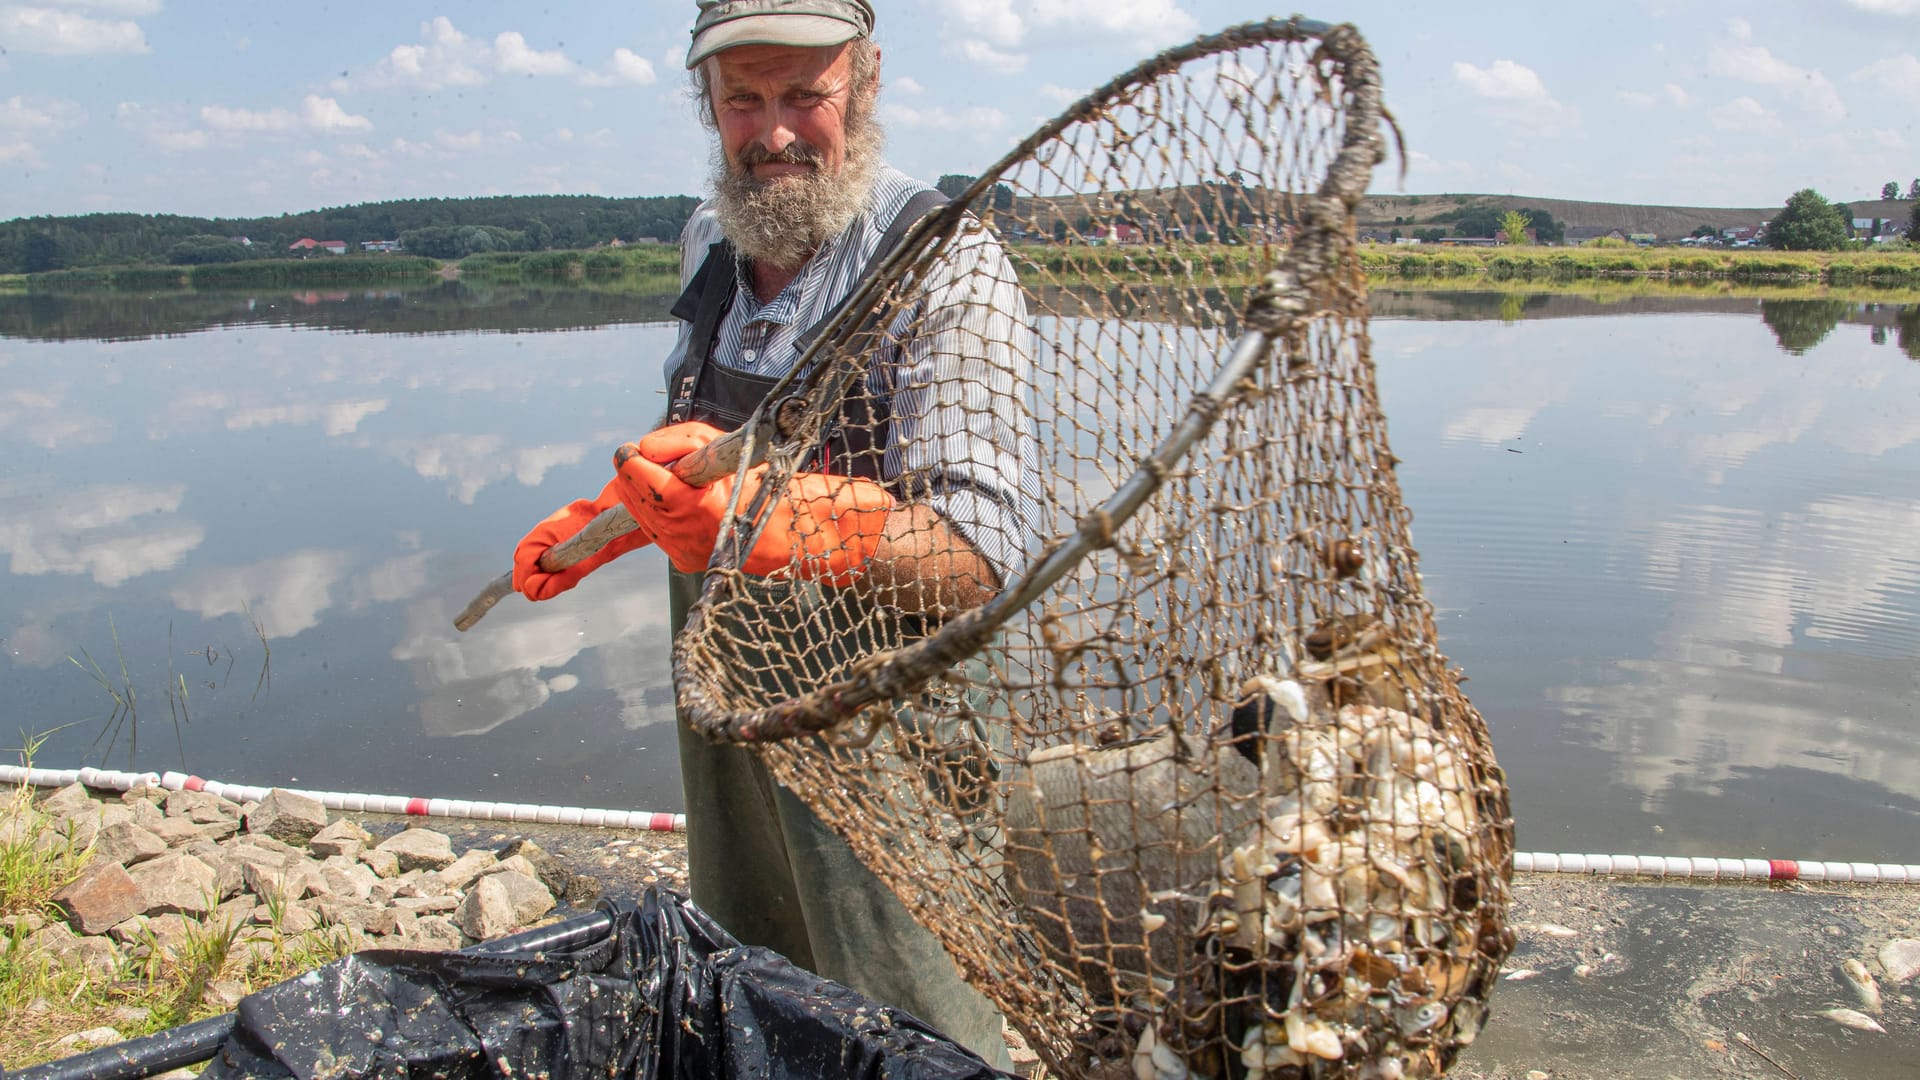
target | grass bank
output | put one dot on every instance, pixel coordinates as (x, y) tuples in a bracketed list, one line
[(636, 262), (46, 996), (338, 270), (1885, 270)]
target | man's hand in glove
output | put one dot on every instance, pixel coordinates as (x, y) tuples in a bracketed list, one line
[(822, 528), (537, 584)]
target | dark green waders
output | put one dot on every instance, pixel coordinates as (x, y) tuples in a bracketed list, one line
[(762, 864)]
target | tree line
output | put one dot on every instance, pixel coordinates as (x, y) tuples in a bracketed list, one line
[(1811, 223), (442, 228), (1891, 190)]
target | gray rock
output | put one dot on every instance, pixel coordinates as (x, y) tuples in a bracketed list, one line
[(551, 871), (348, 880), (468, 867), (289, 881), (487, 912), (99, 898), (149, 793), (427, 905), (288, 817), (165, 933), (200, 807), (224, 994), (227, 878), (82, 1041), (384, 864), (343, 837), (25, 923), (263, 842), (1901, 959), (174, 883), (68, 801), (127, 843), (146, 813), (435, 932), (420, 883), (179, 832), (419, 849), (94, 955), (499, 903)]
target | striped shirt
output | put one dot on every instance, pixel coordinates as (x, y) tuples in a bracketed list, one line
[(956, 374)]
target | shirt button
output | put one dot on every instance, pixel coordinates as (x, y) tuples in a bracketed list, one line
[(748, 355)]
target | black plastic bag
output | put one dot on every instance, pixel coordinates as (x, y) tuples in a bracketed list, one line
[(666, 993)]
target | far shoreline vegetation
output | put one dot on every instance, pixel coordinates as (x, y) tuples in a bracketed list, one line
[(629, 243)]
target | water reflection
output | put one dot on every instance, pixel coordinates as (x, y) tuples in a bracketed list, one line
[(1666, 538)]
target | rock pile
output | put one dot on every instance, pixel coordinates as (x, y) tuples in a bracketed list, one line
[(166, 863)]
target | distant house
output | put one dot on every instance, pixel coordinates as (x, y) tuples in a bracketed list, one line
[(1119, 233), (334, 247), (1469, 241), (304, 244), (241, 240), (1748, 233), (1642, 238), (380, 245)]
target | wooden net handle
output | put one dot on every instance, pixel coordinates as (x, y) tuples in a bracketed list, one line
[(702, 467)]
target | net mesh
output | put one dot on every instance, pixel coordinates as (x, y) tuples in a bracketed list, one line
[(1194, 793)]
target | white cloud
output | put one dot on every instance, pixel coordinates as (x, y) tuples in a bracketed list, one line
[(1504, 81), (1743, 114), (130, 9), (19, 113), (39, 28), (974, 118), (111, 532), (324, 114), (1060, 95), (626, 66), (221, 118), (1756, 64), (986, 32), (979, 52), (1677, 95), (1672, 94), (1516, 97), (1639, 99), (993, 20), (445, 56), (162, 126), (1896, 75), (906, 84), (21, 152), (513, 56), (1888, 7)]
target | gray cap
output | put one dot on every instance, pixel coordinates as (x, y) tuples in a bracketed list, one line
[(726, 23)]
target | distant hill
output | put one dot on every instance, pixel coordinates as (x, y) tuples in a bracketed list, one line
[(1667, 222)]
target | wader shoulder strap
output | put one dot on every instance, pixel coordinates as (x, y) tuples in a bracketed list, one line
[(708, 296)]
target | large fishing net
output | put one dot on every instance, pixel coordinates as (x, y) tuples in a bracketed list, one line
[(1194, 793)]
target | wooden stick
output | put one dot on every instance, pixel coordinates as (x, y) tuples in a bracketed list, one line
[(719, 458)]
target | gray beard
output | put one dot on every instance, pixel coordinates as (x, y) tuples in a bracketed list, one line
[(782, 222)]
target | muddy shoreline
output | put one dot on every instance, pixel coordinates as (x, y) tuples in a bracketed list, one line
[(1611, 977)]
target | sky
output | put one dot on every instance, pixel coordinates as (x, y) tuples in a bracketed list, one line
[(215, 108)]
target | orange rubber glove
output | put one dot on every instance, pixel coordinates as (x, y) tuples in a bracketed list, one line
[(830, 524), (559, 527)]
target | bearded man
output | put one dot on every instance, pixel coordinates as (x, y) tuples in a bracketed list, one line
[(926, 497)]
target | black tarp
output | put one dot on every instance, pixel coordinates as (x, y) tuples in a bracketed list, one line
[(666, 993)]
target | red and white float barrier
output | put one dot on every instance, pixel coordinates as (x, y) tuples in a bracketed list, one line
[(355, 802), (1682, 866)]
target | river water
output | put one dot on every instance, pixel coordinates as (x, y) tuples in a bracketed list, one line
[(1670, 540)]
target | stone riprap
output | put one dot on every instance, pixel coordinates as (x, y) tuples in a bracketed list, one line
[(163, 861)]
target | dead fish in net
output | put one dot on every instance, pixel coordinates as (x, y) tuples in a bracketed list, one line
[(1318, 871)]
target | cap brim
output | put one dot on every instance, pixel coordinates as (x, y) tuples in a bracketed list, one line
[(805, 31)]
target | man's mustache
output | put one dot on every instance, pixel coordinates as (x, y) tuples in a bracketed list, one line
[(795, 154)]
